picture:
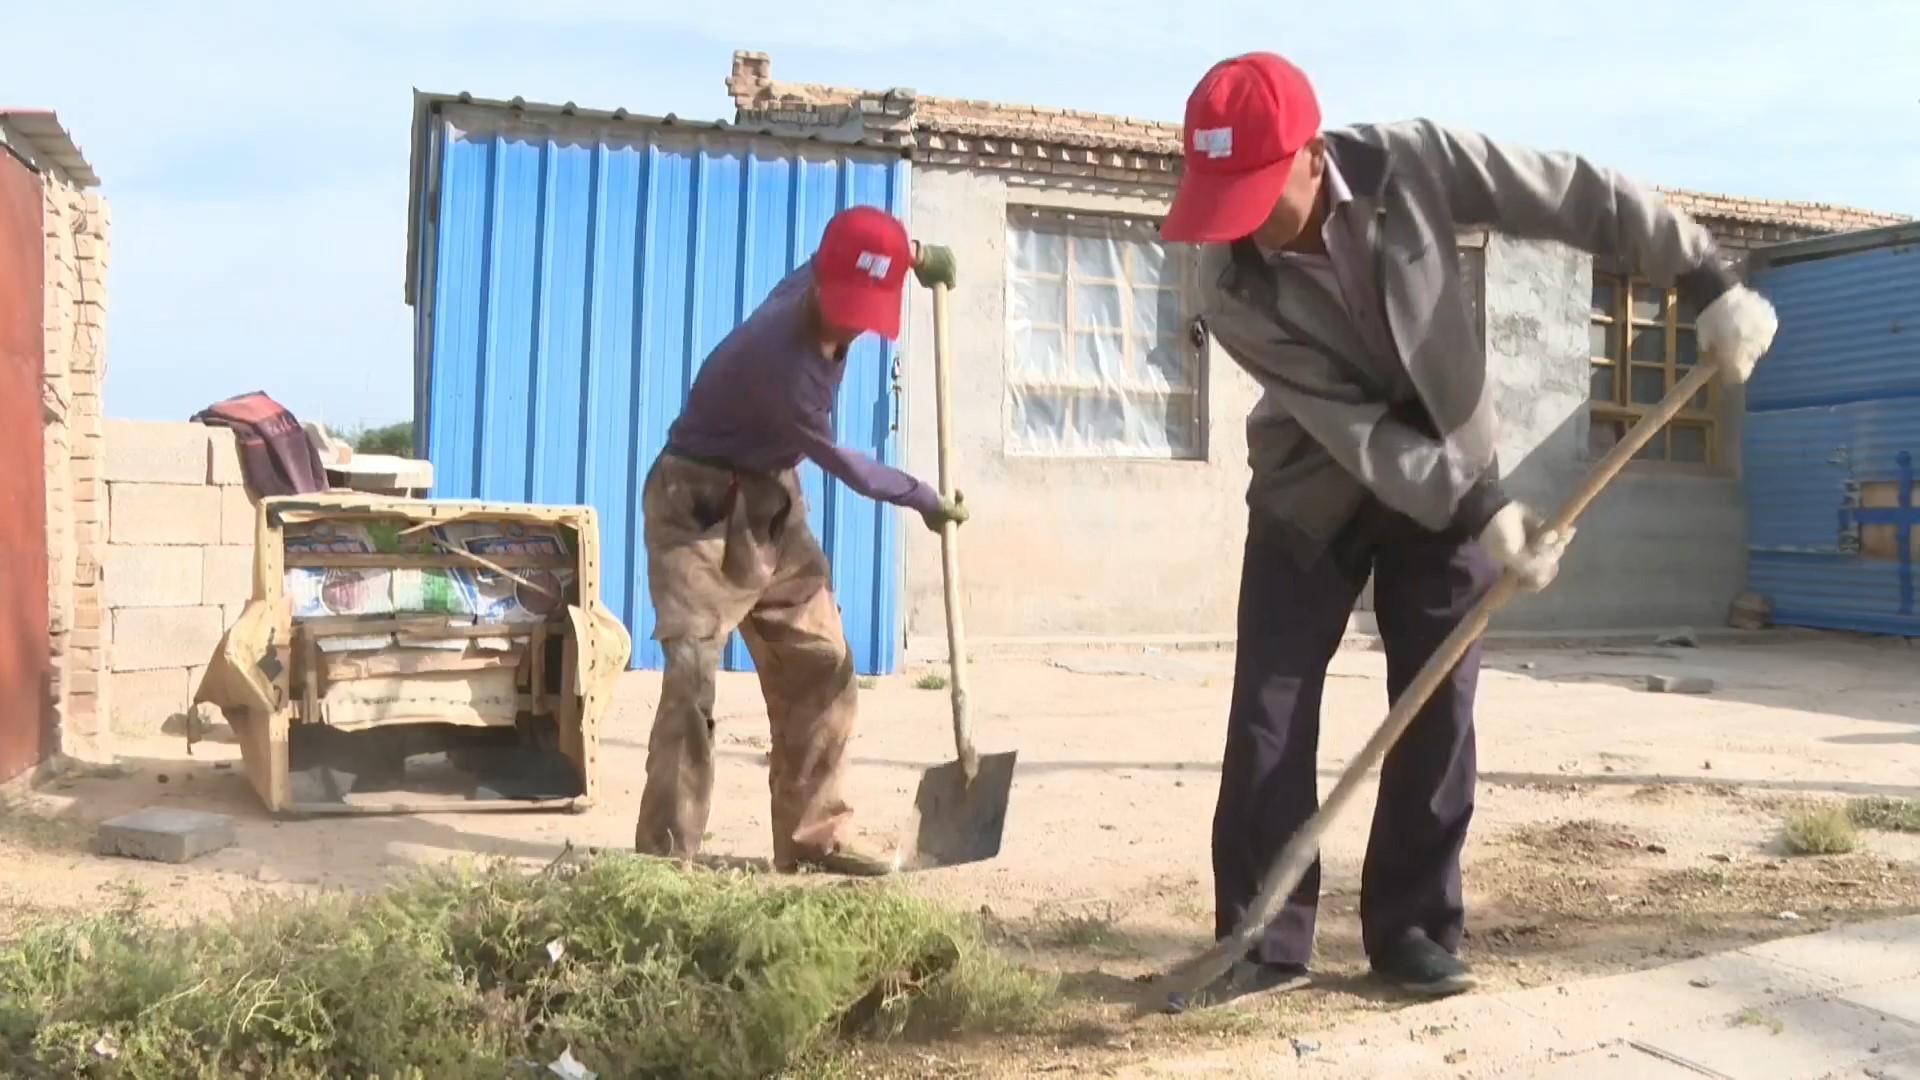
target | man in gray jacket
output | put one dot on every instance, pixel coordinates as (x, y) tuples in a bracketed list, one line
[(1332, 279)]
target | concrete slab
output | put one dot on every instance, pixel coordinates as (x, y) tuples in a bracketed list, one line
[(1810, 1038), (165, 834), (1594, 1013), (1619, 1062), (1897, 999), (1867, 953), (1902, 1066)]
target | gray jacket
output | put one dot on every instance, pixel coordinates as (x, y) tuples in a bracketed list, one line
[(1333, 424)]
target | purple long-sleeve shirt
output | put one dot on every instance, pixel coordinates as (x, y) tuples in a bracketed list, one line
[(764, 399)]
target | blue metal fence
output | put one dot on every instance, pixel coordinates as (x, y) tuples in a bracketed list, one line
[(574, 272), (1833, 431)]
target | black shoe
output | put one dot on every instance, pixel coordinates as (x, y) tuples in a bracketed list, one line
[(1246, 979), (1418, 966)]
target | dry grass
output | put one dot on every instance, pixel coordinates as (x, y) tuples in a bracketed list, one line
[(1820, 830), (1091, 931), (932, 680), (638, 966), (1752, 1017), (1886, 815)]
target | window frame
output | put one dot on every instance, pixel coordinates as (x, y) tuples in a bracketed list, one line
[(1625, 328), (1067, 222)]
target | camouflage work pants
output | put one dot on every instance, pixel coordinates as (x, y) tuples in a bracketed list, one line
[(729, 550)]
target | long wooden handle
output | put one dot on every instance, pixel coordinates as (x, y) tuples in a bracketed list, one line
[(1304, 846), (1630, 444), (950, 535)]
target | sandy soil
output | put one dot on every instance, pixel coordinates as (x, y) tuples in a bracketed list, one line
[(1616, 828)]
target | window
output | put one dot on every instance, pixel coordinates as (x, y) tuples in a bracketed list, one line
[(1642, 343), (1099, 358)]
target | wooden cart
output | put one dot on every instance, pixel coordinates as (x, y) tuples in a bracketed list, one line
[(321, 650)]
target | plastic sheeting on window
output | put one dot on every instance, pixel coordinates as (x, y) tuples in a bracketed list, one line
[(1099, 360)]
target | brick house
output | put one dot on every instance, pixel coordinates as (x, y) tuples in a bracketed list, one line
[(568, 267), (64, 270), (1089, 485)]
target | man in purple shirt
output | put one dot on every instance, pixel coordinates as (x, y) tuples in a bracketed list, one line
[(728, 545)]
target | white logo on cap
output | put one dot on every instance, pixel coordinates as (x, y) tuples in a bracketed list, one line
[(1214, 142), (875, 264)]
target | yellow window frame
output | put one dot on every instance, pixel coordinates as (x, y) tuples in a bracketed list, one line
[(1692, 437)]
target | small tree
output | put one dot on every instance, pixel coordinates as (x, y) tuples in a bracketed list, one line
[(395, 439)]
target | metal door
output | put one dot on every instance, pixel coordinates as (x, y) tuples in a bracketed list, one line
[(1832, 434), (25, 663)]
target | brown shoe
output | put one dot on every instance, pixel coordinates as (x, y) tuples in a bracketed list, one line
[(848, 861)]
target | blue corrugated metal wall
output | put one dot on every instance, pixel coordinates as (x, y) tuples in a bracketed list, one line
[(580, 272), (1834, 406)]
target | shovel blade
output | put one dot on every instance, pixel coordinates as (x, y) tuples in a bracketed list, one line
[(959, 822)]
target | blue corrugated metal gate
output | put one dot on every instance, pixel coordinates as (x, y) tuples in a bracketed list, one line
[(1832, 435), (574, 275)]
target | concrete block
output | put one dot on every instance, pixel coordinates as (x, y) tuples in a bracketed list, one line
[(382, 473), (145, 700), (163, 514), (227, 574), (145, 575), (178, 637), (165, 834), (237, 514), (141, 452), (223, 459), (1679, 684)]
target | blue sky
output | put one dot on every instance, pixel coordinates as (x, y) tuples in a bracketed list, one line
[(255, 155)]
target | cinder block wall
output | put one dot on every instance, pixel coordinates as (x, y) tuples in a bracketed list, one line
[(179, 562), (76, 225)]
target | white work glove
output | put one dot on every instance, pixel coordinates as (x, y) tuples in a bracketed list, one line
[(1736, 330), (1518, 542)]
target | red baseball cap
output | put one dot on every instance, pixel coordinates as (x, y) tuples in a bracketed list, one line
[(1245, 122), (859, 270)]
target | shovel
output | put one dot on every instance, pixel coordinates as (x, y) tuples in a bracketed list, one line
[(960, 810)]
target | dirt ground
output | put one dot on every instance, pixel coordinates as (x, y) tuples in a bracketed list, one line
[(1616, 828)]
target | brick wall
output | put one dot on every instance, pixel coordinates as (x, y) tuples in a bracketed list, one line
[(178, 564), (76, 226)]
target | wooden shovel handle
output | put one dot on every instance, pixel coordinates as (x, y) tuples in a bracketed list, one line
[(950, 535), (1304, 847)]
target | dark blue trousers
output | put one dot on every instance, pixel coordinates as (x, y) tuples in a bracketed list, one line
[(1291, 619)]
